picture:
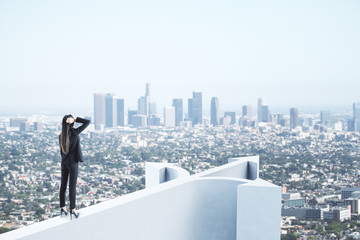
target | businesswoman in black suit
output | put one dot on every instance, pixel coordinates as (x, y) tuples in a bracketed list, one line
[(70, 157)]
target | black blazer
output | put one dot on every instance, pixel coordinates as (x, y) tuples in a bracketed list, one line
[(74, 153)]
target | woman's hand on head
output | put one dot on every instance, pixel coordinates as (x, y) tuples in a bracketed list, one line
[(70, 120)]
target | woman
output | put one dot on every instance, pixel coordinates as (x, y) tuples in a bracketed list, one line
[(70, 157)]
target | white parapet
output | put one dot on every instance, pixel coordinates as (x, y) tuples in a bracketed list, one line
[(229, 202), (156, 173)]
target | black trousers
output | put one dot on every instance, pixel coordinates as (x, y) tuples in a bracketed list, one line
[(71, 168)]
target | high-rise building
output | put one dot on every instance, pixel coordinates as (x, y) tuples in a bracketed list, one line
[(110, 110), (38, 126), (260, 109), (99, 110), (131, 114), (120, 112), (294, 118), (356, 116), (16, 122), (153, 120), (169, 117), (247, 112), (232, 116), (143, 106), (325, 117), (190, 107), (139, 121), (148, 91), (178, 105), (24, 126), (152, 108), (265, 114), (215, 111), (196, 108)]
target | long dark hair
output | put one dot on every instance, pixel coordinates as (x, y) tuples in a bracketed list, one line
[(65, 134)]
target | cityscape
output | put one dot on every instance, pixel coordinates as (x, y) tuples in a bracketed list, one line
[(314, 158), (208, 120)]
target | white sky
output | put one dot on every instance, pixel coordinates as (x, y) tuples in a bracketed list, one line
[(55, 54)]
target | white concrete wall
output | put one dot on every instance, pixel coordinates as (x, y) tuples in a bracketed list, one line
[(258, 211), (175, 172), (242, 167), (157, 173)]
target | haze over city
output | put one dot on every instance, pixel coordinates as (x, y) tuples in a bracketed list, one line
[(57, 55)]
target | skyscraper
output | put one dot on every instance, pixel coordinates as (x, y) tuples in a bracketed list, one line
[(178, 105), (152, 108), (294, 118), (265, 114), (148, 93), (120, 112), (131, 115), (143, 106), (110, 110), (169, 117), (99, 110), (197, 108), (260, 109), (247, 112), (325, 117), (190, 107), (356, 116), (215, 111)]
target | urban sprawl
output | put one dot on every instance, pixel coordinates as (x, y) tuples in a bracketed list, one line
[(314, 158)]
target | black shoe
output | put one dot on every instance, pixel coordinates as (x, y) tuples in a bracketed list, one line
[(75, 214), (63, 211)]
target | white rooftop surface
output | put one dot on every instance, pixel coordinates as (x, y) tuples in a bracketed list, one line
[(220, 203)]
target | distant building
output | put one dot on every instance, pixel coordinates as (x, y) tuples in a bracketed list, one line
[(293, 200), (148, 91), (178, 105), (232, 116), (153, 120), (120, 110), (346, 192), (338, 126), (338, 214), (225, 121), (354, 203), (139, 121), (325, 117), (215, 111), (131, 114), (110, 110), (169, 117), (38, 126), (294, 118), (265, 114), (247, 112), (260, 110), (196, 108), (143, 105), (350, 125), (24, 126), (314, 213), (152, 108), (16, 122), (356, 116), (99, 110), (186, 124)]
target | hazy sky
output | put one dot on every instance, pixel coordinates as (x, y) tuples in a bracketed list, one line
[(55, 54)]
